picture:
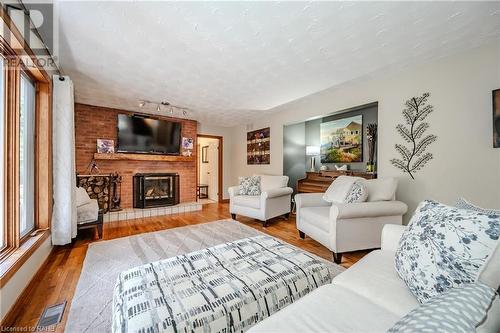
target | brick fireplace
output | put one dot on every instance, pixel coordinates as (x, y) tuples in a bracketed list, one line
[(94, 122)]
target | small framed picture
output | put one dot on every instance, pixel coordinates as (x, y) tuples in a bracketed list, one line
[(187, 143), (204, 154), (105, 146)]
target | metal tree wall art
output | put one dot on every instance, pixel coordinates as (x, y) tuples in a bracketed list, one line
[(413, 156)]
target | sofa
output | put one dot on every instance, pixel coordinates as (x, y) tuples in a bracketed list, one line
[(345, 227), (274, 200), (367, 297)]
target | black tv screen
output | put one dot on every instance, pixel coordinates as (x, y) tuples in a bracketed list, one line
[(138, 134)]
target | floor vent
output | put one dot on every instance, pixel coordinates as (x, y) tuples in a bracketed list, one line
[(52, 315)]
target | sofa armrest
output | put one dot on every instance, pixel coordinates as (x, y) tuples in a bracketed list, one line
[(391, 234), (370, 209), (311, 200), (233, 191), (276, 192)]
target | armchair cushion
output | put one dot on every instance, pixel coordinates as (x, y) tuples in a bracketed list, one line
[(310, 200), (88, 212), (82, 197), (370, 209), (340, 190), (233, 190), (277, 192), (383, 189), (271, 182), (251, 201)]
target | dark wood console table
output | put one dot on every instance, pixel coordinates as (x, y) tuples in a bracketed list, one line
[(202, 191), (318, 182)]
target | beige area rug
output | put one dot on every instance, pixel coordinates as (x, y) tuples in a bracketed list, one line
[(91, 308)]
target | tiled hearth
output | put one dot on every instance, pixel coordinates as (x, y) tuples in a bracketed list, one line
[(135, 213)]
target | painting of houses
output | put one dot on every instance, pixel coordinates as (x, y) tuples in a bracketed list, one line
[(342, 140)]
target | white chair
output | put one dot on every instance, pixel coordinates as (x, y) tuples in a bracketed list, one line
[(274, 200), (345, 227), (87, 212)]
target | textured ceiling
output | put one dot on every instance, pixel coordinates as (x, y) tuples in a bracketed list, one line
[(231, 61)]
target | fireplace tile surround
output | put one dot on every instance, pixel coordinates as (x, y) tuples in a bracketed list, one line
[(139, 213)]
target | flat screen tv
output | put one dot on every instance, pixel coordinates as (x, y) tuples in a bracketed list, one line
[(139, 134)]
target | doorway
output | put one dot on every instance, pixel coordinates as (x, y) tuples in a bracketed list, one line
[(209, 165)]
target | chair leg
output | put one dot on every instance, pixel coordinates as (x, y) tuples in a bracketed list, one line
[(233, 216), (266, 223), (302, 235), (337, 258), (99, 230)]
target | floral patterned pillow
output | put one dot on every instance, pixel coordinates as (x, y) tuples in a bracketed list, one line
[(444, 247), (358, 193), (249, 185)]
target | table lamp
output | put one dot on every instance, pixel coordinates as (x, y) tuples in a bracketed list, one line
[(312, 151)]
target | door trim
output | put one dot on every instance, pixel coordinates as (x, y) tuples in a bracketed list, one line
[(220, 168)]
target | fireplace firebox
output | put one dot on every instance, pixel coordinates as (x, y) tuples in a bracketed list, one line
[(156, 189)]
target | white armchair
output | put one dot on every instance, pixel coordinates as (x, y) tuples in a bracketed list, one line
[(87, 212), (274, 200), (345, 227)]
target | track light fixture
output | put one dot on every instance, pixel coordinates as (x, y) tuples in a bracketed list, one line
[(161, 105)]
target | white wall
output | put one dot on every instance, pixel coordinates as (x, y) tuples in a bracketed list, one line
[(226, 133), (19, 281), (464, 164)]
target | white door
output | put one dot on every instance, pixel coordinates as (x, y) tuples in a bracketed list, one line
[(213, 170)]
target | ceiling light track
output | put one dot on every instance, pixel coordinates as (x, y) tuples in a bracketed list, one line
[(163, 105)]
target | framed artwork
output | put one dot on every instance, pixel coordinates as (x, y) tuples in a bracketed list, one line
[(342, 140), (496, 118), (259, 146), (204, 154), (187, 143), (105, 146)]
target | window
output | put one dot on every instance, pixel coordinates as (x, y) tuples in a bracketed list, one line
[(27, 155), (25, 162), (2, 154)]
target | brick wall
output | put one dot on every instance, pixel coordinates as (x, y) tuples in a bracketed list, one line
[(95, 122)]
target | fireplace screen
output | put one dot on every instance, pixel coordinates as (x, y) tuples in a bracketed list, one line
[(157, 188), (153, 190)]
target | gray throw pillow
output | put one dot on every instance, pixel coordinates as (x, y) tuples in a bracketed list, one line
[(458, 310), (249, 185), (444, 247), (464, 204)]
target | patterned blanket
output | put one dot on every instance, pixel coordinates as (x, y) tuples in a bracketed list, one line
[(225, 288)]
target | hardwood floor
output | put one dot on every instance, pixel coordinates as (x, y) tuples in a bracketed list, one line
[(57, 279)]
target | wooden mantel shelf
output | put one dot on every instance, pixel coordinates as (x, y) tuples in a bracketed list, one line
[(143, 157)]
